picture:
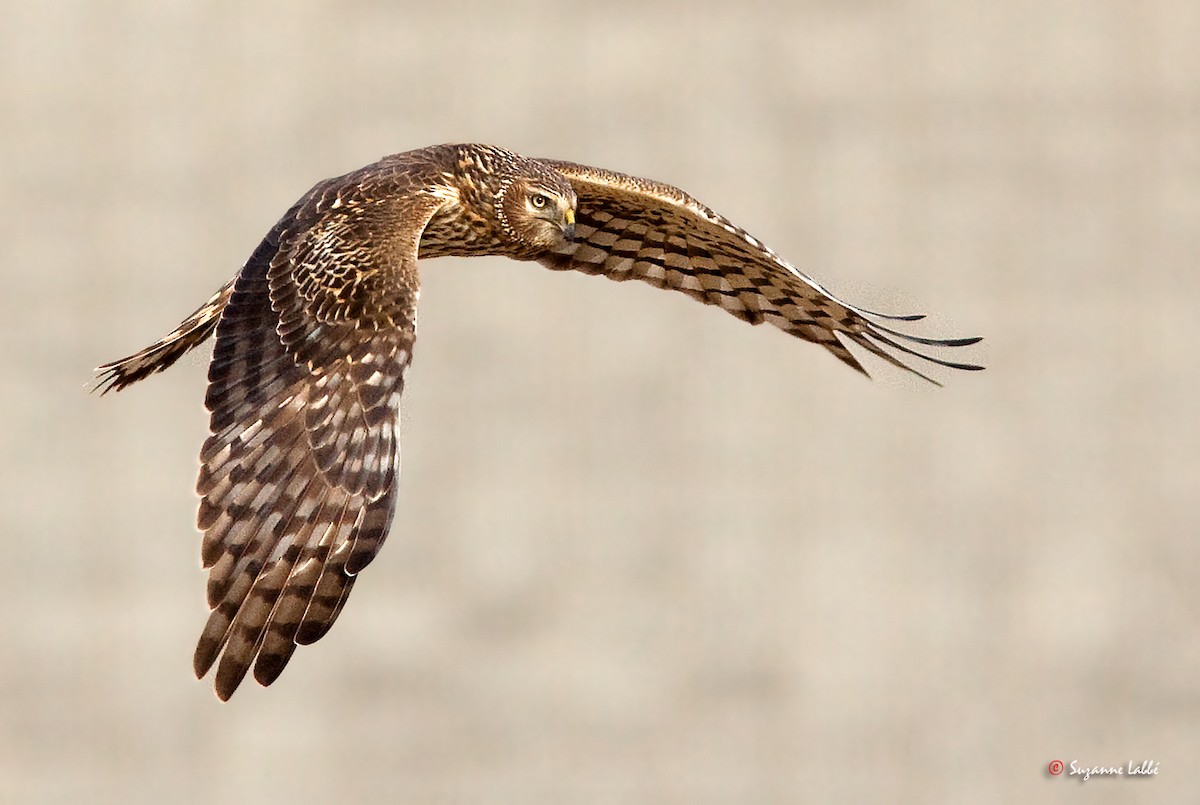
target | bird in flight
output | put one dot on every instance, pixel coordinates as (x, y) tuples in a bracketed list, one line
[(313, 336)]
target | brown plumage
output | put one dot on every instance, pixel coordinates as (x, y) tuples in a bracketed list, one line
[(298, 474)]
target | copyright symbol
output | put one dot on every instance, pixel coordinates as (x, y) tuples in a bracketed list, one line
[(1056, 767)]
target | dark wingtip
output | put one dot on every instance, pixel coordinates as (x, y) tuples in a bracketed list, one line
[(929, 342), (887, 316), (115, 377), (205, 656), (105, 380), (936, 342), (883, 339), (267, 668), (230, 674)]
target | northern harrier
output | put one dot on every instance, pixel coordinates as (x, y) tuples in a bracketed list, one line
[(314, 334)]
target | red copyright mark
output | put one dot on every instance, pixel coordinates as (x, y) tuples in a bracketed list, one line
[(1056, 767)]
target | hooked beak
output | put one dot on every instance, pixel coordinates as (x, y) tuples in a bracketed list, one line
[(569, 230)]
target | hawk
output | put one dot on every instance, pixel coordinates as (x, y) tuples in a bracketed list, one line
[(313, 336)]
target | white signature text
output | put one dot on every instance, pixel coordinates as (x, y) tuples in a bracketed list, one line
[(1146, 767)]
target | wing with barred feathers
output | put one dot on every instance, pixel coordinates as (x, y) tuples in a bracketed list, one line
[(298, 475), (631, 228), (193, 332)]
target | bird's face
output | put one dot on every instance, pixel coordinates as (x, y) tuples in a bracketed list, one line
[(540, 213)]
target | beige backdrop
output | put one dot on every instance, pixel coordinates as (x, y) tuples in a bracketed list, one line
[(644, 552)]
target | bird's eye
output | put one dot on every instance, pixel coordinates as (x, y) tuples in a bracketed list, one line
[(539, 201)]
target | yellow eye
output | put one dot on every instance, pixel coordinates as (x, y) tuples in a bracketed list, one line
[(539, 201)]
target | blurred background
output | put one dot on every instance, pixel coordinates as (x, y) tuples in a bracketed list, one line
[(644, 552)]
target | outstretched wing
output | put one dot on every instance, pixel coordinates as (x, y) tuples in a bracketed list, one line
[(298, 476), (192, 332), (631, 228)]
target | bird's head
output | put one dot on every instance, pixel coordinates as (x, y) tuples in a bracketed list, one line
[(537, 209)]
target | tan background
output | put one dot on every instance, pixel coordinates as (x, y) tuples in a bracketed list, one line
[(644, 553)]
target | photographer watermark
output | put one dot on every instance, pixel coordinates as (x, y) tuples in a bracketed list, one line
[(1085, 772)]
